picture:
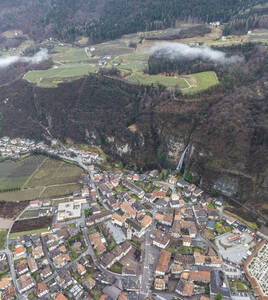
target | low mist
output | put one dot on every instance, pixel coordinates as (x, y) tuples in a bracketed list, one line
[(36, 59), (178, 51)]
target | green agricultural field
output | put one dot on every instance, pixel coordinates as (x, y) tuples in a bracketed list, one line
[(202, 81), (71, 62), (58, 74), (33, 213), (141, 78), (83, 41), (69, 54), (60, 190), (55, 172), (13, 174), (38, 177), (3, 238), (36, 231), (23, 195)]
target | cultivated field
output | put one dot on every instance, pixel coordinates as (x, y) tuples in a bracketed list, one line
[(201, 81), (31, 224), (58, 74), (38, 177), (72, 62), (28, 214), (61, 190), (54, 172), (11, 209), (3, 238), (141, 78), (13, 174)]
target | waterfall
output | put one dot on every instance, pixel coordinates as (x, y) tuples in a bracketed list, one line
[(179, 166)]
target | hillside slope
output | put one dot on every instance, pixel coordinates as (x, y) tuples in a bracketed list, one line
[(108, 19), (227, 134)]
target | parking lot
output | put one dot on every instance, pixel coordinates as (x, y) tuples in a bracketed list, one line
[(235, 251)]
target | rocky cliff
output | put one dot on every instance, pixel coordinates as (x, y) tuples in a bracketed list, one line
[(145, 126)]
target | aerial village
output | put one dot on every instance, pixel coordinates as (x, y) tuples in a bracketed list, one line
[(127, 235)]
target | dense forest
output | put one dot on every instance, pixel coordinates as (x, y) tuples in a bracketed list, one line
[(108, 19)]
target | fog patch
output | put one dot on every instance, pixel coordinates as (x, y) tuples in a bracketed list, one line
[(36, 59), (178, 51)]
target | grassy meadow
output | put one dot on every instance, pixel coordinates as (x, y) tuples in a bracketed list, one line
[(74, 61)]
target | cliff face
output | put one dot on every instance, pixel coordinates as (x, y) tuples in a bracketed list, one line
[(227, 135)]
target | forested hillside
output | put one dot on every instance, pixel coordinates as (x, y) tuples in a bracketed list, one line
[(148, 126), (108, 19)]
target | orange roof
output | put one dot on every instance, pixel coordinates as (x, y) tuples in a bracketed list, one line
[(122, 296), (163, 218), (4, 282), (61, 297), (185, 275), (126, 207), (159, 217), (158, 194), (187, 239), (163, 261), (119, 218), (33, 202), (159, 283), (80, 268), (19, 249), (188, 289), (202, 276), (41, 287), (146, 221)]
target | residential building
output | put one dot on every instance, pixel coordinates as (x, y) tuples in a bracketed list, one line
[(37, 252), (185, 288), (19, 252), (46, 273), (26, 282), (32, 265), (159, 284), (160, 239), (98, 242), (199, 276), (163, 263), (41, 290)]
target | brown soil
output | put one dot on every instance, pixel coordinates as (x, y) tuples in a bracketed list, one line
[(11, 209), (31, 224)]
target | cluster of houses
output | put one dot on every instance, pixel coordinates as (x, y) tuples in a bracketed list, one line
[(44, 265), (113, 214), (14, 148)]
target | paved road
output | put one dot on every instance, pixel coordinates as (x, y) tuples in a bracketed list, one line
[(11, 260), (145, 289)]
